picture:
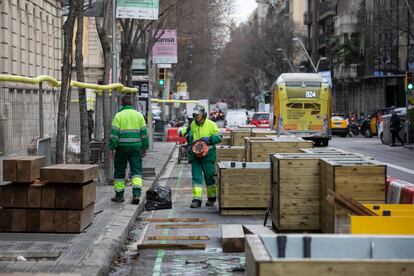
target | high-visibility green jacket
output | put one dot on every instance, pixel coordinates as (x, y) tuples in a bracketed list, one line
[(207, 129), (129, 129)]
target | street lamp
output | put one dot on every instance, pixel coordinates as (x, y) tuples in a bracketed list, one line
[(286, 58), (319, 61), (306, 52)]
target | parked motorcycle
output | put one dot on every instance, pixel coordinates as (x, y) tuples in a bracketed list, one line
[(354, 128)]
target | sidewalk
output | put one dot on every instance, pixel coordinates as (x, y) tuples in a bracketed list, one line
[(91, 252)]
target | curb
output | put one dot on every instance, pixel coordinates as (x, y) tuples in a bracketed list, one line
[(106, 248)]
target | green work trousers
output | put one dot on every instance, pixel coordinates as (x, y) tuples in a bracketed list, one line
[(198, 168), (123, 155)]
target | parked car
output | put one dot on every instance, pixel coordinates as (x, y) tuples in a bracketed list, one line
[(369, 126), (260, 119), (339, 125), (235, 118)]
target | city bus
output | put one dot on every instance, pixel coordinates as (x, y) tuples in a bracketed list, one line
[(301, 105)]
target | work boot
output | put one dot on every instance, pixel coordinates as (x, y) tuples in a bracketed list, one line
[(136, 193), (210, 201), (119, 197), (135, 200), (196, 203)]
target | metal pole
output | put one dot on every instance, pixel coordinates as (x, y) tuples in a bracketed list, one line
[(307, 54), (288, 61), (41, 127), (114, 99)]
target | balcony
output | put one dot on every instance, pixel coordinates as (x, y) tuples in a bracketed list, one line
[(347, 73), (327, 9)]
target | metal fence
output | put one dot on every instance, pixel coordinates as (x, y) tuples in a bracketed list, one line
[(19, 116)]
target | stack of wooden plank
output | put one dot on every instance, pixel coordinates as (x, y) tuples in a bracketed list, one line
[(62, 202), (295, 189), (243, 188), (259, 151), (363, 180)]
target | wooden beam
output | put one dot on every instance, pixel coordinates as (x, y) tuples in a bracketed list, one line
[(172, 246), (184, 225), (232, 237), (176, 219), (178, 238)]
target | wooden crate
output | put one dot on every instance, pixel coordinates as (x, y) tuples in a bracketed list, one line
[(363, 180), (322, 150), (41, 220), (340, 255), (47, 196), (262, 132), (237, 136), (229, 153), (296, 196), (226, 141), (259, 151), (69, 173), (23, 169), (243, 188)]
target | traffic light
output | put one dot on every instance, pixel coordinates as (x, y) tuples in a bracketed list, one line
[(161, 76), (409, 82)]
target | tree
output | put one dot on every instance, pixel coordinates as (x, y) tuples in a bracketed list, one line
[(84, 130), (103, 27), (64, 98)]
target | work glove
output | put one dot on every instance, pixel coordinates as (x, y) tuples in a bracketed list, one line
[(206, 140)]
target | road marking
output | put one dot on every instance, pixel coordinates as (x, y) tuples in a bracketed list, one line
[(156, 271), (400, 168)]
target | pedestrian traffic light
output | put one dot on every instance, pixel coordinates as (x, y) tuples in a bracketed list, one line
[(409, 82), (161, 76)]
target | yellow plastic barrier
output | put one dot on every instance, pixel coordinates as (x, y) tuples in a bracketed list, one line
[(393, 219), (54, 82)]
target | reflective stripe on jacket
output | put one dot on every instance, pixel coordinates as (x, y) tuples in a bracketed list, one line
[(129, 129)]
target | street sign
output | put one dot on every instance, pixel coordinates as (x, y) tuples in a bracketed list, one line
[(164, 50), (137, 9), (163, 65), (139, 66)]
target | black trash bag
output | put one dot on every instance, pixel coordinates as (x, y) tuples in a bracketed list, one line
[(158, 198)]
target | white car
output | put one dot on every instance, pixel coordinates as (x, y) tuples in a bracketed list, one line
[(235, 118)]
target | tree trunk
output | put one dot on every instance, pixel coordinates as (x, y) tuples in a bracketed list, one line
[(62, 121), (103, 29), (83, 112)]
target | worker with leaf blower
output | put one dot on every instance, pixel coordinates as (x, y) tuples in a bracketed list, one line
[(203, 135)]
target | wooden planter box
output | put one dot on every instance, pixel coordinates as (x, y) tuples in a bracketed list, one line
[(339, 255), (229, 153), (262, 132), (259, 151), (238, 135), (241, 187), (226, 141), (363, 180), (296, 194)]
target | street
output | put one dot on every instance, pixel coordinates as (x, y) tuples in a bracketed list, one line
[(400, 160), (212, 261)]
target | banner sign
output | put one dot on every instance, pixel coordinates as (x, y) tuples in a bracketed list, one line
[(165, 47), (138, 9)]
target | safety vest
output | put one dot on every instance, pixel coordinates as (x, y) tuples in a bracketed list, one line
[(207, 129), (129, 129)]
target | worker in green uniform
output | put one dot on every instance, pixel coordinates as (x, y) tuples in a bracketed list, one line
[(129, 141), (207, 131)]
